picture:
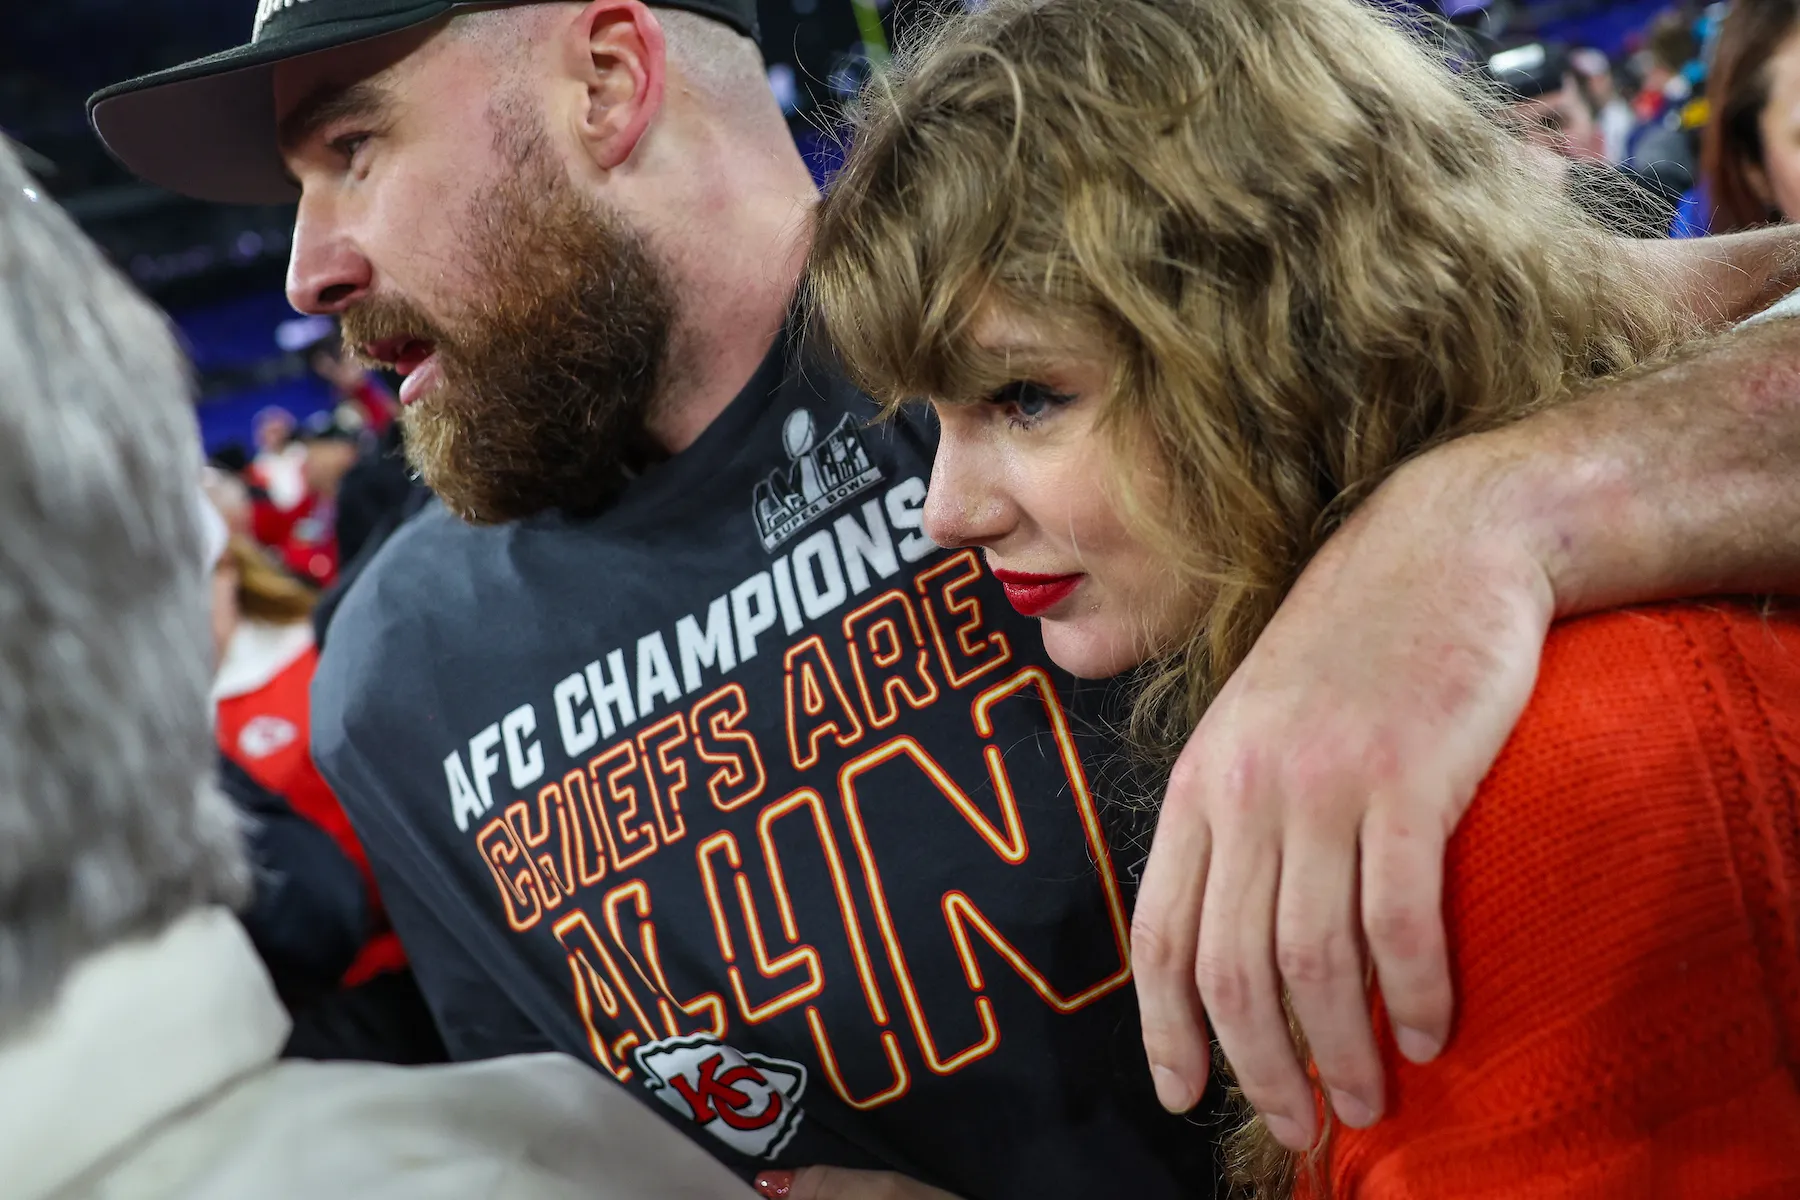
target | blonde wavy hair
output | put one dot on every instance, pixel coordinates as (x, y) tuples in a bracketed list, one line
[(1309, 250), (265, 592)]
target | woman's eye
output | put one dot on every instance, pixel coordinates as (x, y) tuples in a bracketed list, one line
[(1027, 400)]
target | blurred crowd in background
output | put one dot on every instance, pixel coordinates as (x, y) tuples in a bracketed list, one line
[(1670, 120), (1625, 90), (1684, 125)]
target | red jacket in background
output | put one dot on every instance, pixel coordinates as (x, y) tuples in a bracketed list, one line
[(262, 691)]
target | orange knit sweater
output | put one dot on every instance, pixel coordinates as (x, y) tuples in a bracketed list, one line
[(1623, 901)]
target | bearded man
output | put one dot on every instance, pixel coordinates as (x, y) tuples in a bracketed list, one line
[(677, 745)]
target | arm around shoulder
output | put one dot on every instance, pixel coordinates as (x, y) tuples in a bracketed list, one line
[(1679, 480)]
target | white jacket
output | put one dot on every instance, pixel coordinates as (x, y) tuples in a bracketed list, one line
[(155, 1075)]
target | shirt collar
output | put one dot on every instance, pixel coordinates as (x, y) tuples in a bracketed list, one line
[(257, 652)]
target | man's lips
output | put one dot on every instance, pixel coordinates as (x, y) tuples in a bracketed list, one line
[(1035, 595), (401, 353), (409, 357), (420, 374)]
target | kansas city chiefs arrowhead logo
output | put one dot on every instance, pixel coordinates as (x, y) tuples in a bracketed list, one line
[(748, 1101)]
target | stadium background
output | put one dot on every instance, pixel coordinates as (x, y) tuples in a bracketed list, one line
[(218, 270)]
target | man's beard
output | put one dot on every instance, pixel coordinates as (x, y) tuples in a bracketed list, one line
[(547, 379)]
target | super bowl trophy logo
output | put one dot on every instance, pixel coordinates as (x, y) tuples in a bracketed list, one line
[(821, 474)]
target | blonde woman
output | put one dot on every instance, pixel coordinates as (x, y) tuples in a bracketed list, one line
[(262, 627), (1185, 280)]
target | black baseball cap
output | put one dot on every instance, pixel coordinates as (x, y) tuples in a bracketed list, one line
[(341, 424), (207, 128), (1529, 71)]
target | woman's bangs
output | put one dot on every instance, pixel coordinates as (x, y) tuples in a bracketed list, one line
[(906, 261)]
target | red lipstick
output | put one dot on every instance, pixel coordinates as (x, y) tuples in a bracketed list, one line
[(1035, 595)]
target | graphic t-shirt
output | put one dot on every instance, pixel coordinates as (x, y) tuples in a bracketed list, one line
[(750, 796)]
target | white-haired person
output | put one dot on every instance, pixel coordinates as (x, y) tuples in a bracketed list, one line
[(139, 1033)]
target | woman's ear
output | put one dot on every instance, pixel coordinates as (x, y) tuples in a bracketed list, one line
[(620, 55), (1758, 181)]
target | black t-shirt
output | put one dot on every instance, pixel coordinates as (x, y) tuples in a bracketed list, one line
[(747, 794)]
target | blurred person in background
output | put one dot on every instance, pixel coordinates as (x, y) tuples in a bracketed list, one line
[(1554, 113), (276, 477), (265, 664), (277, 470), (306, 914), (1550, 101), (363, 1005), (1662, 147), (231, 499), (378, 495), (139, 1032), (1669, 47), (1612, 112), (354, 384), (377, 485), (231, 458), (305, 536), (358, 486), (379, 489), (1750, 152)]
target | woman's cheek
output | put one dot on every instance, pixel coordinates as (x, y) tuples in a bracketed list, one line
[(1784, 178)]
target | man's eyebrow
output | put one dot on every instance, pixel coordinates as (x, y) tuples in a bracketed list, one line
[(328, 103)]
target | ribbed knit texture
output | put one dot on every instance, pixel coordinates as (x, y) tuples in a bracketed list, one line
[(1622, 901)]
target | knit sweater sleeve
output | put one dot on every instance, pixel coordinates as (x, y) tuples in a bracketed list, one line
[(1622, 901)]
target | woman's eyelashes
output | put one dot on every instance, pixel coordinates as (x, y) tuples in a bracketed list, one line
[(1026, 403)]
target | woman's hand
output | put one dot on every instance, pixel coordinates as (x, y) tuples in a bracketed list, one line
[(838, 1183)]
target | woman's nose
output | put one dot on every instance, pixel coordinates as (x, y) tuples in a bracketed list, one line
[(965, 505)]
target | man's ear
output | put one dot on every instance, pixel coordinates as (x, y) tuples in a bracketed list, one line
[(618, 45)]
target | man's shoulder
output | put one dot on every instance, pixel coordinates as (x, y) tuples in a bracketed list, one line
[(414, 595), (416, 582)]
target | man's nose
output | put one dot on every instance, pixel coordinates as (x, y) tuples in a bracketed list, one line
[(965, 505), (326, 271)]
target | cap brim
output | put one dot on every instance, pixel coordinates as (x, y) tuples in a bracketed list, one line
[(206, 129)]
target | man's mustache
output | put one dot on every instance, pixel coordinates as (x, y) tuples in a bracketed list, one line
[(380, 319)]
